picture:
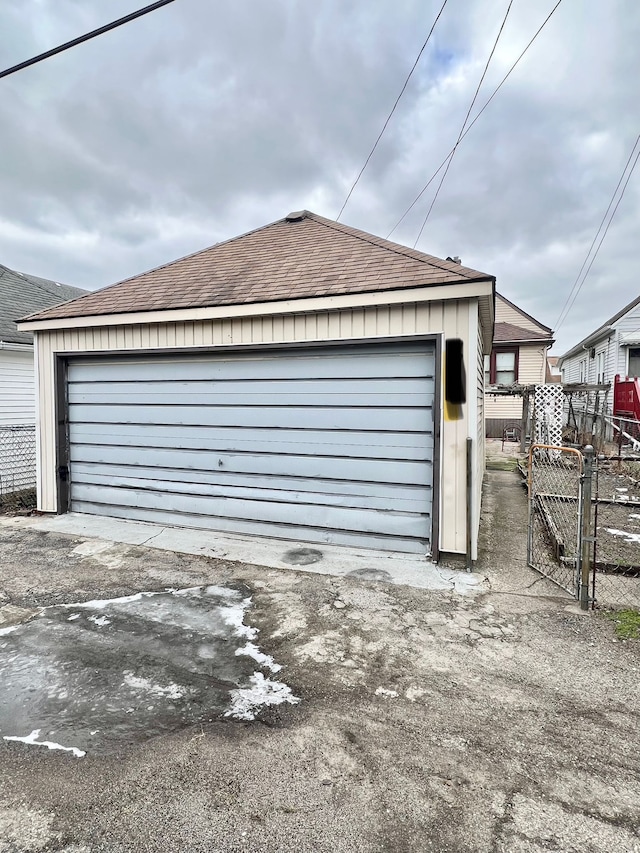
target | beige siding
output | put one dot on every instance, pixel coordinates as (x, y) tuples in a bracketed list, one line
[(505, 313), (503, 407), (531, 371), (378, 321), (532, 363)]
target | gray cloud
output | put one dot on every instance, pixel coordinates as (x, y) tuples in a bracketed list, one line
[(201, 121)]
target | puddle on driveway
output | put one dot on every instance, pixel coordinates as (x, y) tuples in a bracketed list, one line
[(100, 675)]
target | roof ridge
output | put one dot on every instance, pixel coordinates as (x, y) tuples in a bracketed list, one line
[(602, 328), (282, 259), (193, 254), (32, 280), (383, 243)]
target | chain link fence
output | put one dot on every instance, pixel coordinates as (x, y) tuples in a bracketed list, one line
[(553, 548), (17, 465), (616, 526), (584, 524)]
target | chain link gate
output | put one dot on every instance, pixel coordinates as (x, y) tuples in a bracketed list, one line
[(554, 545)]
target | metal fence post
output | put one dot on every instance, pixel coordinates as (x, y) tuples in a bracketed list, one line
[(586, 527)]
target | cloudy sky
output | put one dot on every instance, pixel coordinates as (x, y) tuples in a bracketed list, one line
[(204, 120)]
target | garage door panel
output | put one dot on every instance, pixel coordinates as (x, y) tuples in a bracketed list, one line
[(386, 494), (393, 523), (401, 499), (385, 445), (394, 420), (339, 398), (287, 366), (322, 392), (329, 445), (288, 532), (270, 464)]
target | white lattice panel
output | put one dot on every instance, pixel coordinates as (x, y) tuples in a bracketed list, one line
[(548, 403)]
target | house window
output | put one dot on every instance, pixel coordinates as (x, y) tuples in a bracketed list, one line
[(487, 370), (504, 366), (600, 368), (583, 370), (634, 361)]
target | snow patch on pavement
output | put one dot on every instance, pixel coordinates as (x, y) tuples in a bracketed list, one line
[(383, 691), (33, 739), (252, 651), (246, 702), (629, 537)]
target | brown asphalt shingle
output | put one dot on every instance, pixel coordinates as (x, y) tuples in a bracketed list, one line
[(504, 332), (309, 257)]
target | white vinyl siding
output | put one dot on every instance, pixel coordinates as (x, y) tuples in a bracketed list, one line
[(17, 388), (612, 345)]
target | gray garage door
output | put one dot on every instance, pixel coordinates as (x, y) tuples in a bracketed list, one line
[(325, 445)]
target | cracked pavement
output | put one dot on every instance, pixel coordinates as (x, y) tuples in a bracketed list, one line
[(496, 722)]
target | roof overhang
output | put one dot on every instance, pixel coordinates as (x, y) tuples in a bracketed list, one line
[(542, 342), (15, 347), (482, 290), (631, 339)]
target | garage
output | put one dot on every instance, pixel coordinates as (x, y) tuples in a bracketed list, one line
[(330, 445), (287, 383)]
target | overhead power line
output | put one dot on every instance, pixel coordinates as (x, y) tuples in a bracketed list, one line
[(495, 92), (80, 39), (577, 285), (393, 109), (464, 124)]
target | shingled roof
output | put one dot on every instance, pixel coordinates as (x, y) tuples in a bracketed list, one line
[(20, 292), (302, 255), (509, 333)]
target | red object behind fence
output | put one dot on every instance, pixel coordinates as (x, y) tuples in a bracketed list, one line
[(626, 398)]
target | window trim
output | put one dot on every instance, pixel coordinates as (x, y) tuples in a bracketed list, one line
[(516, 354), (583, 371)]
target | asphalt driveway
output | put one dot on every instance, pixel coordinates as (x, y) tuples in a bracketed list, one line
[(499, 720)]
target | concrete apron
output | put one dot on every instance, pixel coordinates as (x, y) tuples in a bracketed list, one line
[(359, 563)]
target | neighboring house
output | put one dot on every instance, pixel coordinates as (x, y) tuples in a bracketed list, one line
[(553, 371), (614, 348), (20, 292), (285, 383), (518, 357)]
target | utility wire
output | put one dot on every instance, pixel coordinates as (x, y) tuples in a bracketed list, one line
[(561, 316), (464, 123), (578, 287), (495, 92), (388, 119), (80, 39)]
